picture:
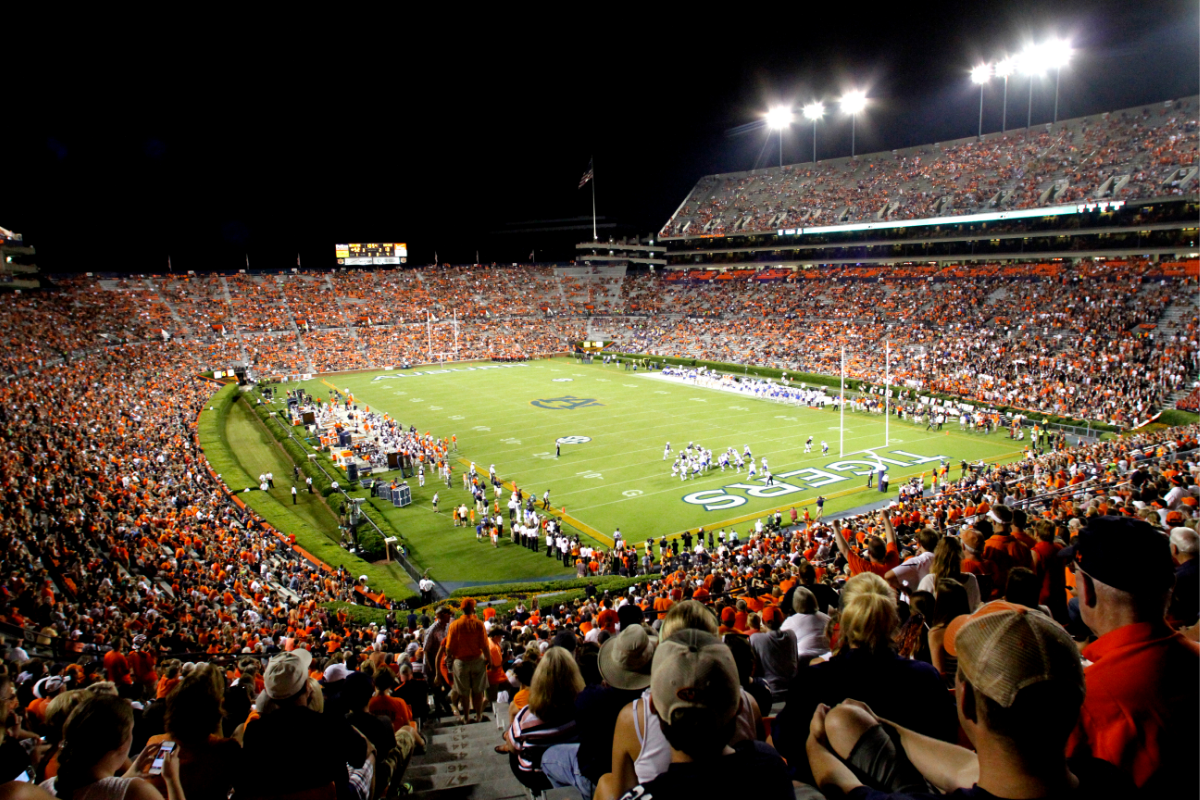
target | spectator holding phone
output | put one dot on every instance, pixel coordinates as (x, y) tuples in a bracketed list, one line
[(207, 760), (96, 741)]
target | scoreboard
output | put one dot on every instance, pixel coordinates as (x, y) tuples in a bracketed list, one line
[(373, 253)]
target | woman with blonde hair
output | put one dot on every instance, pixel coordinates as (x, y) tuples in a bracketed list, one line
[(549, 719), (947, 565), (865, 666)]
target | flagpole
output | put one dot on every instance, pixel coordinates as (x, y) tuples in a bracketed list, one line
[(842, 409), (887, 390), (593, 182)]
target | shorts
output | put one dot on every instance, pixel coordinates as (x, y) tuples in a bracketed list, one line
[(470, 677), (879, 761)]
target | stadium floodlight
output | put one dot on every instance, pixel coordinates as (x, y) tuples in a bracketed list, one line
[(779, 119), (1056, 54), (1004, 68), (813, 112), (1034, 60), (852, 103), (1032, 63), (980, 75)]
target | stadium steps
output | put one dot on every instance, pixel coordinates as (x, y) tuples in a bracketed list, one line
[(347, 327), (184, 329), (460, 763), (233, 323), (291, 318)]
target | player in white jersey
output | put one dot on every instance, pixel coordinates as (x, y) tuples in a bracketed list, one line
[(746, 452), (674, 469), (824, 447), (808, 445), (724, 461), (739, 464), (751, 471), (764, 463), (666, 451), (696, 467)]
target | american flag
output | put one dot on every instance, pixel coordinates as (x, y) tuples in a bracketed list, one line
[(587, 176)]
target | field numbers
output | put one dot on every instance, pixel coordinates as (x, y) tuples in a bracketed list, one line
[(632, 492), (482, 428), (738, 408), (435, 408), (511, 440), (457, 417), (699, 400), (543, 455), (661, 392), (632, 385), (590, 474), (417, 400), (400, 393), (789, 419), (603, 380)]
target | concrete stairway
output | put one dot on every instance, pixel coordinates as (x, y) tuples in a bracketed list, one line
[(459, 763)]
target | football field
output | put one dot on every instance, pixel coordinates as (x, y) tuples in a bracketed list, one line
[(613, 425)]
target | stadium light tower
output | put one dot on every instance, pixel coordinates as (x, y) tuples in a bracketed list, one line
[(813, 112), (981, 75), (1033, 64), (852, 103), (779, 119), (1056, 54), (1003, 69)]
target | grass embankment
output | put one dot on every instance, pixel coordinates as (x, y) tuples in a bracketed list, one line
[(239, 447)]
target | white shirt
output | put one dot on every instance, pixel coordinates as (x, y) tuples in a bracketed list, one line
[(809, 629), (912, 571), (969, 583)]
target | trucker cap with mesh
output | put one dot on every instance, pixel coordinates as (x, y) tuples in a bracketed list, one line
[(1004, 647)]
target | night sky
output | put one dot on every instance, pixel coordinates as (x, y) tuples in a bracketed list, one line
[(209, 137)]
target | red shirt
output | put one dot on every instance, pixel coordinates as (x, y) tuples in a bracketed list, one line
[(1142, 695)]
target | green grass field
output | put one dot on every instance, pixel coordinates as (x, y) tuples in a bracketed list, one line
[(614, 475)]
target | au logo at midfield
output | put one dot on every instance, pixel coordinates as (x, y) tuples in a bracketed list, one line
[(565, 403)]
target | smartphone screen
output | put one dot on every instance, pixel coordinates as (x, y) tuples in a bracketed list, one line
[(164, 748)]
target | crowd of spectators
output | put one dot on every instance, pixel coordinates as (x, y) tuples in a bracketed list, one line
[(127, 560), (1044, 607), (1125, 155)]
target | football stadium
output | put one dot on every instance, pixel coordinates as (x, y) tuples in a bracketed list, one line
[(871, 474)]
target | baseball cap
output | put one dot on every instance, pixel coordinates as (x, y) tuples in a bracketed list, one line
[(1125, 553), (335, 673), (1004, 647), (286, 674), (694, 669), (625, 659)]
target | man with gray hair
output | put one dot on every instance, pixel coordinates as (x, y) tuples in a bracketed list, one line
[(808, 624), (1185, 600)]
